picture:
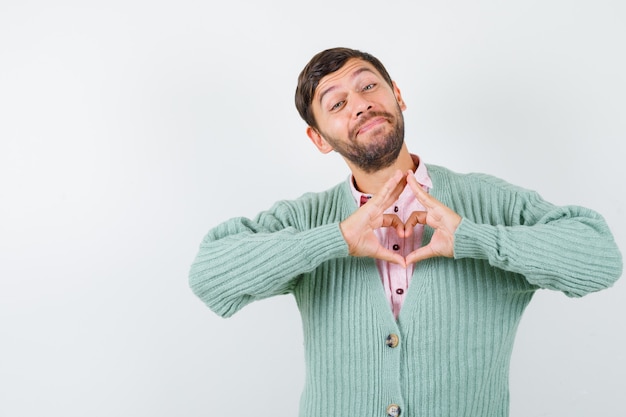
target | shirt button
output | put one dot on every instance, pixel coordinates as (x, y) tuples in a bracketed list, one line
[(393, 410), (399, 291), (392, 340), (396, 247)]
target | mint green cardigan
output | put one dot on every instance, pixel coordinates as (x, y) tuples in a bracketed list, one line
[(457, 325)]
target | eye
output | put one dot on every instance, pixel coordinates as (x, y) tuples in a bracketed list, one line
[(369, 87), (337, 105)]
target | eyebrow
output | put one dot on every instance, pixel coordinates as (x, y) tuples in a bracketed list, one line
[(353, 76)]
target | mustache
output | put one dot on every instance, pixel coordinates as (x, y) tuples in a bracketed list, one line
[(369, 117)]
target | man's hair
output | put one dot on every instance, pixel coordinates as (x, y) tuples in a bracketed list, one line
[(322, 64)]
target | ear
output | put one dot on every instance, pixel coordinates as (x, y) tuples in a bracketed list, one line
[(318, 140), (396, 92)]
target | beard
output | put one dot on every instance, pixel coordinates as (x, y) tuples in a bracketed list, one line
[(381, 151)]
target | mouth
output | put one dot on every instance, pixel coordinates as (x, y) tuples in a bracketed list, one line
[(371, 124)]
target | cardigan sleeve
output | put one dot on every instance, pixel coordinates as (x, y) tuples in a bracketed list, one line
[(568, 249), (243, 260)]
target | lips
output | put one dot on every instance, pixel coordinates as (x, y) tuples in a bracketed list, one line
[(371, 124)]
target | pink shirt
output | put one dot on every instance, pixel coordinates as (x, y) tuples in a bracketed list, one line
[(395, 278)]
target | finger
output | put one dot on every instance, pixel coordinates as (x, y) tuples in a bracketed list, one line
[(390, 191), (420, 254), (389, 256), (422, 196), (417, 217), (393, 221)]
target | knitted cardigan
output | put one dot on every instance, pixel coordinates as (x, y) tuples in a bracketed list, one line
[(456, 329)]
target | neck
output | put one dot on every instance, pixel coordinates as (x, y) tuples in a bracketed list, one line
[(370, 183)]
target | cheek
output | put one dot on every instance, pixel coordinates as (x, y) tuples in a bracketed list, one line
[(334, 126)]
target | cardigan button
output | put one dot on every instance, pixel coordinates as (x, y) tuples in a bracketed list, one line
[(392, 340), (393, 410)]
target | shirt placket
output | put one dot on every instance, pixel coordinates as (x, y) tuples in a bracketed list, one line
[(397, 275)]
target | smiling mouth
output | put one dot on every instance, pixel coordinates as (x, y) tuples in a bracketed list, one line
[(371, 124)]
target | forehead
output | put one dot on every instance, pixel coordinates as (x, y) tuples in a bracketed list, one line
[(350, 70)]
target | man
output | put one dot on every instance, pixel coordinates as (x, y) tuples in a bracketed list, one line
[(411, 279)]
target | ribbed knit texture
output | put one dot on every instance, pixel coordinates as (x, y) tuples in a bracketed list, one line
[(458, 321)]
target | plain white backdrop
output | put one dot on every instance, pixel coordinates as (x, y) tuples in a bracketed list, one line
[(129, 128)]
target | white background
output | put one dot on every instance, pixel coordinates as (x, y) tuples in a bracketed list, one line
[(129, 128)]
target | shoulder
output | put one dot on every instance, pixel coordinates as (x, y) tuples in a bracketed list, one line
[(471, 181), (314, 208), (484, 198), (340, 192)]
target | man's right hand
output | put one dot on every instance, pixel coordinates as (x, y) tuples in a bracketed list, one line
[(358, 229)]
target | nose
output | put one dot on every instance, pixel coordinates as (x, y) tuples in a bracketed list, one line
[(363, 109), (361, 105)]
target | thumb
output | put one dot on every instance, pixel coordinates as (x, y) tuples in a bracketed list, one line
[(420, 254), (389, 256)]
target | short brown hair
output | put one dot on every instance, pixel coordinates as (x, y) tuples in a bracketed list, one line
[(322, 64)]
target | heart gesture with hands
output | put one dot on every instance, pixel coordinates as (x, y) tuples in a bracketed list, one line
[(441, 218), (358, 229)]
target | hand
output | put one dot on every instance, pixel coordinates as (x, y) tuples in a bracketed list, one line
[(358, 229), (439, 217)]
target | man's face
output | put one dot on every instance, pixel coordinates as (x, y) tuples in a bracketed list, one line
[(358, 115)]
